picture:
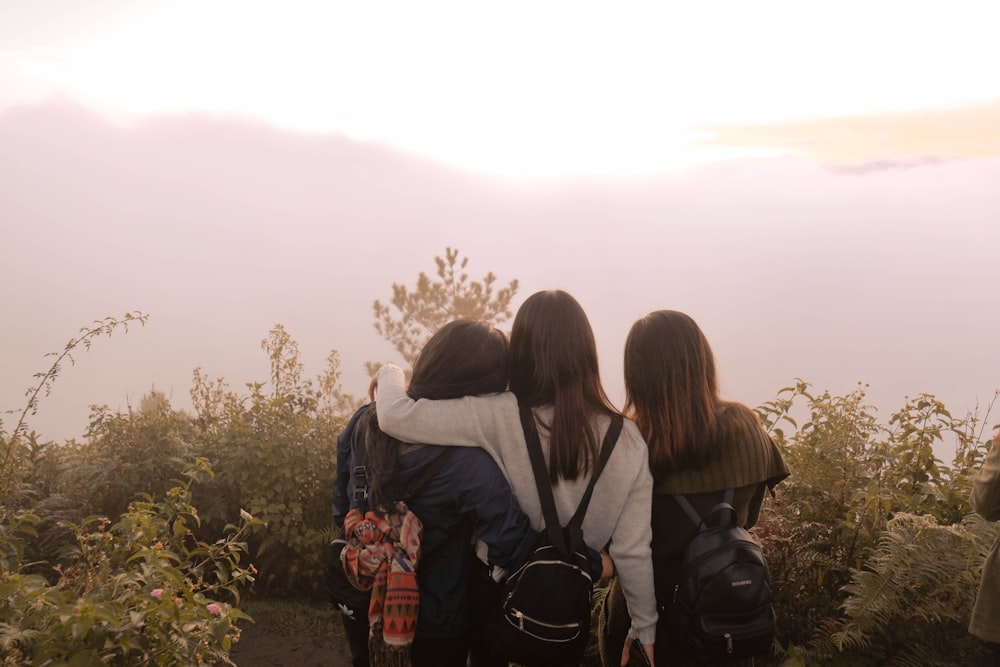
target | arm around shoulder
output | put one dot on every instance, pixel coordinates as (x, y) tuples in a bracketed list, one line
[(469, 421)]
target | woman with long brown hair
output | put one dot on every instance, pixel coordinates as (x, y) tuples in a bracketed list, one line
[(462, 497), (554, 371), (699, 446)]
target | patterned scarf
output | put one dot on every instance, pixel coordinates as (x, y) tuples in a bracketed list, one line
[(382, 552)]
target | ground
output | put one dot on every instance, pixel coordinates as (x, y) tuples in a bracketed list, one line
[(260, 646), (292, 631)]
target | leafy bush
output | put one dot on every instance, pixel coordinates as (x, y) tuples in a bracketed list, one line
[(142, 590), (910, 604), (275, 453), (859, 489)]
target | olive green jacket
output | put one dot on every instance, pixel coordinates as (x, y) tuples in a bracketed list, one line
[(985, 622)]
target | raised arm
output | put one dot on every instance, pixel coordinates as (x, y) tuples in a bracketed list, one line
[(469, 421)]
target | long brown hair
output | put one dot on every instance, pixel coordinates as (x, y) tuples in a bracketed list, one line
[(553, 361), (671, 390), (463, 358)]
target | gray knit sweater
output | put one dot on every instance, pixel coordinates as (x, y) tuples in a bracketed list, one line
[(619, 510)]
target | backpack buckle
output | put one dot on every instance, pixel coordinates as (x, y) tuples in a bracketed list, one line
[(360, 485)]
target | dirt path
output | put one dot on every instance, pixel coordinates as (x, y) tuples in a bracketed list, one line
[(260, 647)]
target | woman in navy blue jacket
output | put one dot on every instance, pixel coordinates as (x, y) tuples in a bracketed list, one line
[(466, 500)]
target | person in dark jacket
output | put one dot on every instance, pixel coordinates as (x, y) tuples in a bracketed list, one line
[(351, 603), (466, 500)]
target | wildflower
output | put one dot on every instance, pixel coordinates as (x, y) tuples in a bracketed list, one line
[(213, 608), (179, 602), (158, 545), (156, 593)]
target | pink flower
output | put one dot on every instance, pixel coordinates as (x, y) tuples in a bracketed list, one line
[(156, 593), (213, 608), (179, 602)]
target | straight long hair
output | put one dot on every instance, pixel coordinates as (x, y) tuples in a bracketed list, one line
[(671, 391), (553, 361), (463, 358)]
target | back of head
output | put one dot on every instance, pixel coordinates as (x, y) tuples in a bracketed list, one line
[(671, 389), (463, 358), (553, 361)]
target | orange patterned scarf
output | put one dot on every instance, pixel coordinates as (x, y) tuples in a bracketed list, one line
[(382, 552)]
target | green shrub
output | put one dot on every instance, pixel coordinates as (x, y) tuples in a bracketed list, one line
[(142, 590), (835, 527), (275, 453)]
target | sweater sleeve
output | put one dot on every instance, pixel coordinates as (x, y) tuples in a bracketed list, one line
[(630, 550), (986, 485), (464, 421)]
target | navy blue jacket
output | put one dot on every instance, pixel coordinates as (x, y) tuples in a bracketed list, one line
[(467, 498)]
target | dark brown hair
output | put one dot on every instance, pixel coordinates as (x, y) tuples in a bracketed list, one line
[(671, 390), (463, 358), (553, 361)]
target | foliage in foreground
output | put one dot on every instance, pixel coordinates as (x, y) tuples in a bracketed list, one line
[(874, 552), (141, 590), (875, 556)]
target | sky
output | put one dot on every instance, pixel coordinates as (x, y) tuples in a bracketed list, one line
[(522, 88), (815, 182)]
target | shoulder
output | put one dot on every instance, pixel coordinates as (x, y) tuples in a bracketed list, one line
[(741, 430), (746, 455), (353, 426), (631, 449), (632, 437), (738, 417)]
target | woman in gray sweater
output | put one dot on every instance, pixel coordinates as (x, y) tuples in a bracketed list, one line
[(554, 370)]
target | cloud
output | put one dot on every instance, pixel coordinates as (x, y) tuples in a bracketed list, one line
[(878, 140), (220, 229)]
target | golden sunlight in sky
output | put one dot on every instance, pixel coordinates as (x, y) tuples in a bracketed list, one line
[(527, 88)]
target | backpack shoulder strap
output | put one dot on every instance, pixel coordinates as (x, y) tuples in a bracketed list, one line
[(610, 440), (548, 504), (545, 498), (359, 472), (728, 520)]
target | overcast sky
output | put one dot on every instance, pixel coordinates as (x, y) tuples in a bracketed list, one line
[(817, 184)]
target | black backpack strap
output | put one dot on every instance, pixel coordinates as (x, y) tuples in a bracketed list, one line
[(359, 472), (549, 513), (541, 476), (610, 440), (725, 506)]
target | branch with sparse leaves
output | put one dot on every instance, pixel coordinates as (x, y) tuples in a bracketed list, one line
[(43, 387), (433, 303)]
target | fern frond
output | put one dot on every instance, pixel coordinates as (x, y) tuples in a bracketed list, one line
[(916, 583)]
